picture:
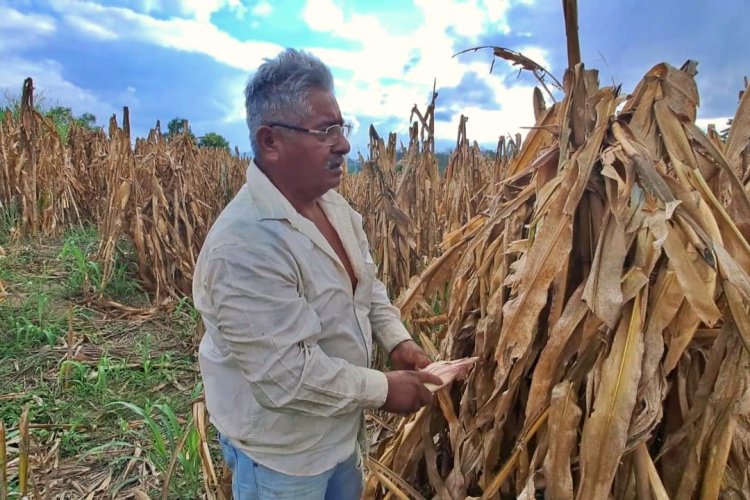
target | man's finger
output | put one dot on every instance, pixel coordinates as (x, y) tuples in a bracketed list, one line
[(422, 361), (429, 378), (425, 395)]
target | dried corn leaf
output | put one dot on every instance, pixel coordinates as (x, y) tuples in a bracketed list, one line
[(613, 406)]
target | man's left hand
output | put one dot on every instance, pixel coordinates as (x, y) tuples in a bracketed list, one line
[(408, 356)]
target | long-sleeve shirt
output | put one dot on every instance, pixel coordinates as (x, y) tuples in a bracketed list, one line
[(287, 351)]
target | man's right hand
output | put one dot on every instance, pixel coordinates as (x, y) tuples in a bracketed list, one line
[(406, 391)]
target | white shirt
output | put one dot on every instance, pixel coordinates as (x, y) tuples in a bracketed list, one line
[(286, 354)]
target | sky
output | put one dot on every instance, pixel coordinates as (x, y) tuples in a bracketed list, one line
[(191, 58)]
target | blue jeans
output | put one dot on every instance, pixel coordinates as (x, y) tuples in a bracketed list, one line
[(253, 481)]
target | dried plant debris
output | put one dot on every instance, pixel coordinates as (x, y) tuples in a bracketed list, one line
[(605, 293)]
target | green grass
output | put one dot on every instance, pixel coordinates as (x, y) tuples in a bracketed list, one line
[(9, 215), (129, 387), (85, 276)]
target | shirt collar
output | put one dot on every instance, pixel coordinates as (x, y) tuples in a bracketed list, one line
[(271, 204)]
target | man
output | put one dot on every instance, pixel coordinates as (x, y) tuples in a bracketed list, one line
[(287, 290)]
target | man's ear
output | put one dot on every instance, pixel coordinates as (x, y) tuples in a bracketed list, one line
[(269, 144)]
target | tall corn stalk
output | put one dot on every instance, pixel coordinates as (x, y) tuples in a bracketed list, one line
[(35, 171), (164, 195), (606, 293)]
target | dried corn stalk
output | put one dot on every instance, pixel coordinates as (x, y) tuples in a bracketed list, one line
[(36, 173), (163, 196), (606, 296)]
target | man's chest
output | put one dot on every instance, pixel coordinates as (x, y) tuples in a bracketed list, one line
[(334, 240)]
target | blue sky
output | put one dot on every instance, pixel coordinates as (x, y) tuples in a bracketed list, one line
[(191, 58)]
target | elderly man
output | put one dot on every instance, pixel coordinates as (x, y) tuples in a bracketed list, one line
[(287, 290)]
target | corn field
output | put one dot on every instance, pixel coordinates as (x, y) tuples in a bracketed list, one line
[(599, 271), (161, 195)]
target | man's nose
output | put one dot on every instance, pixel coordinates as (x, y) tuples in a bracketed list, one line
[(341, 146)]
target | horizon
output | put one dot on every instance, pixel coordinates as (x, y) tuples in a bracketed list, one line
[(190, 59)]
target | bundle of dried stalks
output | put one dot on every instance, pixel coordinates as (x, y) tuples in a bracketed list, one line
[(164, 195), (606, 294), (90, 153), (36, 172), (408, 206), (388, 226), (471, 180)]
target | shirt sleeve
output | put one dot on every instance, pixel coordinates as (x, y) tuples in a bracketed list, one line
[(271, 329), (385, 319)]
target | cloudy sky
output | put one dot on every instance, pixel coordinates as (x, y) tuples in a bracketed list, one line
[(191, 58)]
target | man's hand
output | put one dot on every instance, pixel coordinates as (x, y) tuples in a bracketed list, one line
[(407, 392), (408, 356)]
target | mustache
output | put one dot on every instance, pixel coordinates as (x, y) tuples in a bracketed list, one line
[(335, 162)]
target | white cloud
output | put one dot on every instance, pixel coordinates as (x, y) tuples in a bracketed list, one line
[(486, 125), (720, 122), (190, 35), (202, 9), (90, 28), (150, 5), (234, 107), (380, 55), (50, 87), (262, 9), (19, 30), (323, 15), (536, 54), (391, 71), (39, 23), (469, 18)]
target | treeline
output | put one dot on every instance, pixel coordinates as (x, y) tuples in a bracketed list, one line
[(62, 117), (443, 158)]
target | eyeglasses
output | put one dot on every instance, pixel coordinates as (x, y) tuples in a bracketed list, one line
[(330, 135)]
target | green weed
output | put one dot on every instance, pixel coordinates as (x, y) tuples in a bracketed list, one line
[(186, 310), (165, 432), (74, 373), (33, 324), (9, 215), (85, 274), (103, 367), (136, 365)]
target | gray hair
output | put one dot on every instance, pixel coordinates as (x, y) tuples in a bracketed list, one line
[(278, 90)]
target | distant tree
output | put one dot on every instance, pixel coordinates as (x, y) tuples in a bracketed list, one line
[(60, 115), (9, 106), (443, 158), (213, 140), (352, 165), (63, 118), (87, 120), (176, 126)]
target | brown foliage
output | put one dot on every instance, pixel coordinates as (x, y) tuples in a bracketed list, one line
[(161, 195), (606, 294)]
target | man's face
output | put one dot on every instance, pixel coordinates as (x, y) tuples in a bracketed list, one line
[(311, 164)]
